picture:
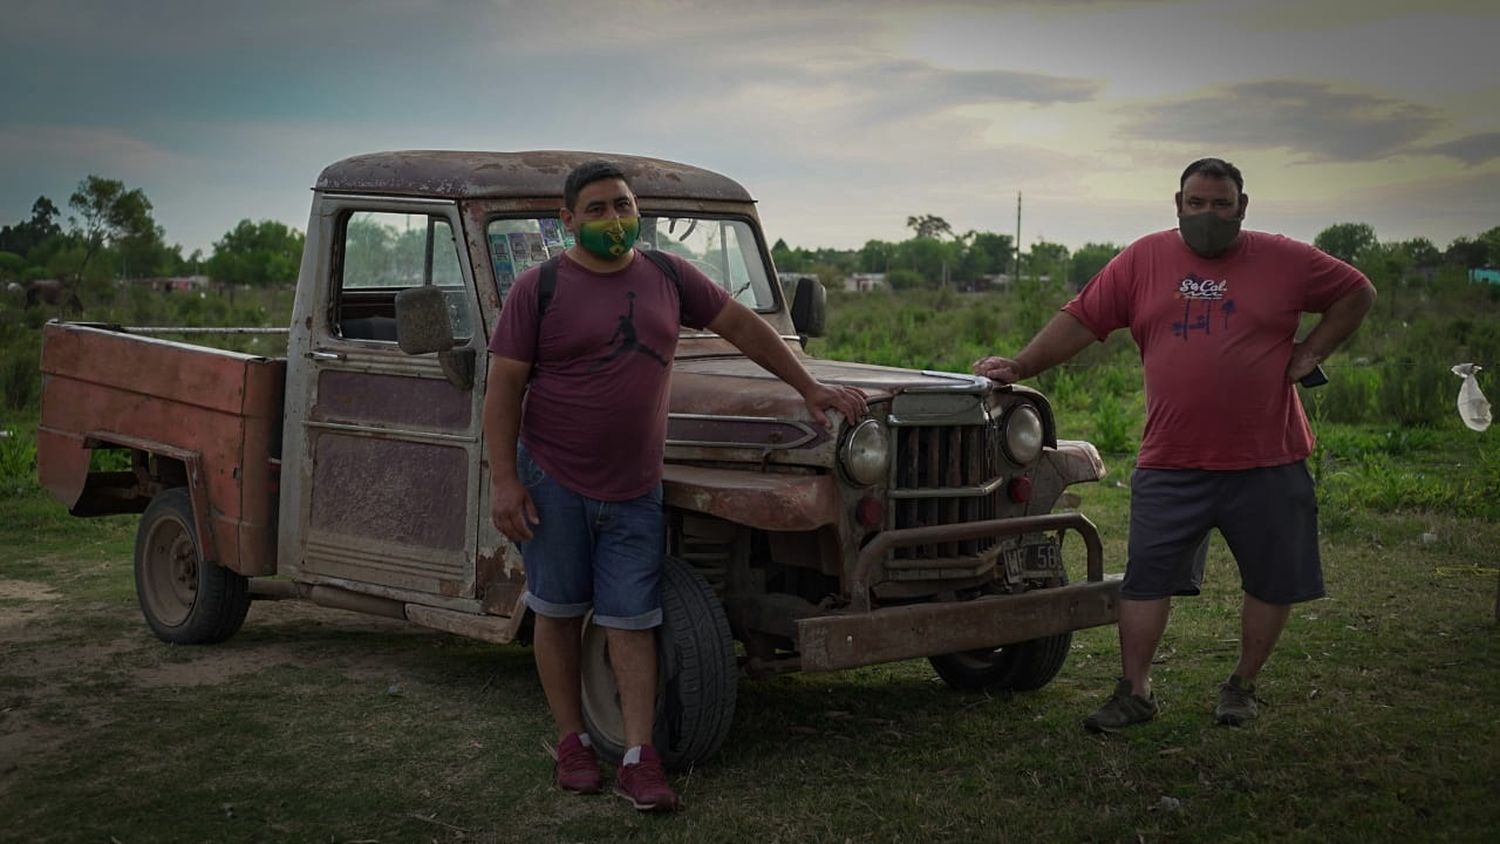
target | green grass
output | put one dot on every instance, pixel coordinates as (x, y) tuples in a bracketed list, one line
[(1382, 720)]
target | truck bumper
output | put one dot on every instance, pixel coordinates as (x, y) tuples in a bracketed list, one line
[(833, 642), (866, 636)]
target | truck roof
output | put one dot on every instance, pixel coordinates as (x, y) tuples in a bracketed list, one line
[(514, 175)]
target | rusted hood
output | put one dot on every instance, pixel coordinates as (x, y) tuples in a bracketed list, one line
[(738, 386)]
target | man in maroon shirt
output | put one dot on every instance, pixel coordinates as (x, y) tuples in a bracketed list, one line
[(1215, 312), (581, 494)]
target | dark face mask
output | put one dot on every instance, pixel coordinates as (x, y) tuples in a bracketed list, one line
[(1207, 233)]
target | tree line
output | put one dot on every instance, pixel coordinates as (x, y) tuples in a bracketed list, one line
[(109, 233), (935, 256)]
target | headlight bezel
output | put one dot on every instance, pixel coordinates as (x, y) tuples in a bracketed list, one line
[(865, 453), (1024, 453)]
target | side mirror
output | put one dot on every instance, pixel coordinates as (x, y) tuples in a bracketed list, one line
[(422, 321), (423, 325), (809, 307)]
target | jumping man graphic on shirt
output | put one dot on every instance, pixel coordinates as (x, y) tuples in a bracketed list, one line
[(625, 332)]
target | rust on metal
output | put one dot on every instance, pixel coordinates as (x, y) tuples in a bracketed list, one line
[(498, 586), (767, 501), (498, 175), (832, 642), (872, 557), (406, 493), (398, 400), (178, 400)]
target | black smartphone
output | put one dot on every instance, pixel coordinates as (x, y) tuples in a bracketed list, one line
[(1316, 378)]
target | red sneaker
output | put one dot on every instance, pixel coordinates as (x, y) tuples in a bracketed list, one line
[(644, 784), (577, 768)]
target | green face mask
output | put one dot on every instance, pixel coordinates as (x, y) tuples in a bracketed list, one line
[(609, 239)]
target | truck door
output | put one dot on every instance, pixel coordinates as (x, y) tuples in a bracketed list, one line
[(382, 456)]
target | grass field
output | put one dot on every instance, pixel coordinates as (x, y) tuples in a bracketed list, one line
[(1381, 719)]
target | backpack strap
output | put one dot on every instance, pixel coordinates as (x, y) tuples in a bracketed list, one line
[(669, 270), (546, 285)]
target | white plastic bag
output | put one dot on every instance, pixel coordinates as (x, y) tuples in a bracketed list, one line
[(1472, 405)]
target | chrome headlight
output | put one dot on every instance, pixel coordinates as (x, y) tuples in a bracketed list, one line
[(1021, 434), (866, 453)]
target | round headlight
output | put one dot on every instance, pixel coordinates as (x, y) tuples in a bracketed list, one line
[(866, 453), (1021, 434)]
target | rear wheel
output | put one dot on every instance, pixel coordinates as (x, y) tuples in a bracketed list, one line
[(696, 675), (185, 600)]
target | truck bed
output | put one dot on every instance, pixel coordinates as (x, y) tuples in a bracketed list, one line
[(192, 416)]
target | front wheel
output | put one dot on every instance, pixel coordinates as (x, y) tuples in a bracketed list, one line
[(696, 675), (185, 600), (1022, 667)]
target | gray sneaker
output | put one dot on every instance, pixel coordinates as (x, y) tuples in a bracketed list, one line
[(1237, 702), (1122, 710)]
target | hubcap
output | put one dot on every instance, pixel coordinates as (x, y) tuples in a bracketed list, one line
[(170, 572)]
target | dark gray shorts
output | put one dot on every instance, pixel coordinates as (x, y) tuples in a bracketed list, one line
[(1268, 517)]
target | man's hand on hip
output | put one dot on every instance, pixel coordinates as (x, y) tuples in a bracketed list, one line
[(1304, 360), (849, 401), (512, 510)]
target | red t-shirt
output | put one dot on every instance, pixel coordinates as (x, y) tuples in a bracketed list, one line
[(595, 413), (1215, 337)]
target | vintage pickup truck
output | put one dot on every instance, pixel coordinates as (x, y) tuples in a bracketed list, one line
[(352, 472)]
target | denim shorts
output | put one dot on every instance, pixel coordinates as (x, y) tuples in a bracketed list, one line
[(604, 555), (1267, 516)]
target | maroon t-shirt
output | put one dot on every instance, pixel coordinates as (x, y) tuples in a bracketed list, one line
[(1215, 337), (595, 413)]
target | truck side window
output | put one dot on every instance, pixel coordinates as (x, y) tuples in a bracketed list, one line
[(385, 253)]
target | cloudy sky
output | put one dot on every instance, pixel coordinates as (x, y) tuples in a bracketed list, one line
[(843, 118)]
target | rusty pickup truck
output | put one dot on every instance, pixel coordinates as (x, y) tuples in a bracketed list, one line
[(352, 471)]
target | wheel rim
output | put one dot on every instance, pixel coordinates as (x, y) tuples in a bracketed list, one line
[(170, 569), (601, 697)]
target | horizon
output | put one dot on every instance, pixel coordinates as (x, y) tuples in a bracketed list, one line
[(841, 118)]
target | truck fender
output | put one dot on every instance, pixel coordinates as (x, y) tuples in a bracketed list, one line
[(1076, 462), (63, 469), (776, 502)]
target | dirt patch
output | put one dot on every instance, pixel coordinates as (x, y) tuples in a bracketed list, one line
[(26, 590)]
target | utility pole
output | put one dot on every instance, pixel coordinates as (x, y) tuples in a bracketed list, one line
[(1017, 270)]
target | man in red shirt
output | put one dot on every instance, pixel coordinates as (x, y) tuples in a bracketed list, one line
[(581, 495), (1214, 311)]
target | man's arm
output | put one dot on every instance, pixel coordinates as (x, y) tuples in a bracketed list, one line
[(1058, 341), (1338, 322), (760, 342), (511, 507)]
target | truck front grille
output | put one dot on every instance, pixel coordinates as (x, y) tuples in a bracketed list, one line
[(956, 461)]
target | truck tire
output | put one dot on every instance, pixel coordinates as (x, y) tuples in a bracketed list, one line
[(696, 676), (185, 600), (1022, 667)]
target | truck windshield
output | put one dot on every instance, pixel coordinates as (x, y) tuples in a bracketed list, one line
[(724, 250)]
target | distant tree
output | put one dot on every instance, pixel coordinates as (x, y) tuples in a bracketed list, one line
[(1047, 259), (28, 234), (929, 226), (109, 216), (262, 253), (1491, 241), (1346, 241), (875, 256), (1468, 254), (929, 258), (1089, 260), (1421, 253), (988, 253)]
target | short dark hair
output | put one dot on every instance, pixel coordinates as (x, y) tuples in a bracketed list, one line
[(586, 174), (1216, 167)]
